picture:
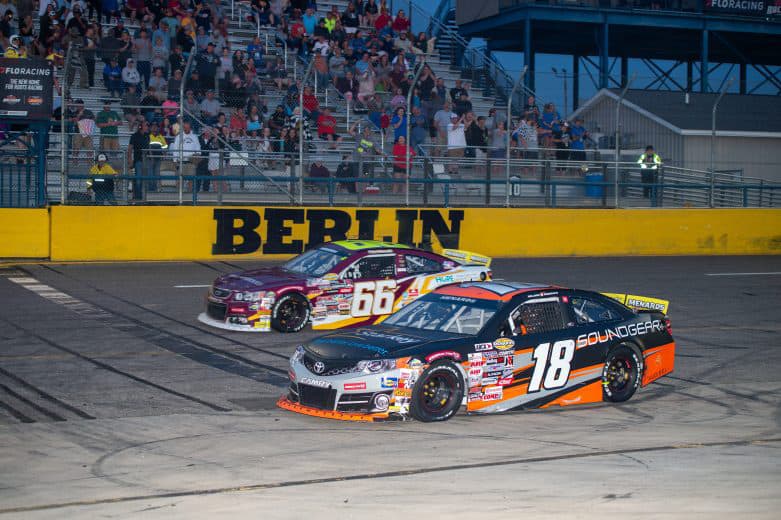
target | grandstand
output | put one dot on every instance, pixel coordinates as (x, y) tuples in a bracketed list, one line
[(245, 169)]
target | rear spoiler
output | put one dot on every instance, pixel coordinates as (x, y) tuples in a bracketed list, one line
[(641, 303), (466, 257)]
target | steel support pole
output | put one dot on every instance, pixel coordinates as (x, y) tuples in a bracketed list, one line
[(618, 138), (528, 51), (63, 138), (713, 139), (509, 130), (604, 66), (301, 133), (181, 128), (575, 82), (704, 63), (409, 124)]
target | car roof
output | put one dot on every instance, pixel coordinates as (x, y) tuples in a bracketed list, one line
[(363, 245), (493, 290)]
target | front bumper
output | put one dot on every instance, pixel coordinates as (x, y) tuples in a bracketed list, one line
[(237, 316), (349, 396), (237, 327)]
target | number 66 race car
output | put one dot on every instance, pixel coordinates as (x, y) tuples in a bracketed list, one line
[(493, 346), (339, 284)]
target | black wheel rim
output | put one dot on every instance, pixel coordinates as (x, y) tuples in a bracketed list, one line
[(438, 391), (619, 374), (291, 314)]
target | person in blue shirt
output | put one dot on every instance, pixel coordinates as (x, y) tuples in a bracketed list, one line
[(577, 140), (310, 21), (112, 77), (358, 43), (549, 121), (255, 52), (399, 124)]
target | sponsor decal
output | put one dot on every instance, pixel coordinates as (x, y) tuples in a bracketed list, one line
[(444, 279), (403, 392), (35, 100), (493, 393), (239, 230), (354, 386), (645, 304), (330, 276), (475, 396), (443, 354), (315, 382), (389, 382), (620, 332), (489, 380), (461, 299), (504, 344), (11, 100), (476, 360), (505, 381), (397, 338), (482, 347)]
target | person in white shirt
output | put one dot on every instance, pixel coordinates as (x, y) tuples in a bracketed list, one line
[(456, 141), (131, 77), (186, 147)]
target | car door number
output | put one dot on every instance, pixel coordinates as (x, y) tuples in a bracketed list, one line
[(373, 298), (553, 363)]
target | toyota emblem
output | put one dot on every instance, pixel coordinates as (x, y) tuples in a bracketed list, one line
[(319, 367)]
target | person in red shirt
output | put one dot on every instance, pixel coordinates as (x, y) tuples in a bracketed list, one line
[(400, 163), (382, 20), (296, 35), (311, 105), (326, 127), (401, 23)]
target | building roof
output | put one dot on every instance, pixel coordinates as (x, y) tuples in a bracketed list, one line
[(736, 113)]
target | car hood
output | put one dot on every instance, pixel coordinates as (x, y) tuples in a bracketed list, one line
[(379, 342), (264, 278)]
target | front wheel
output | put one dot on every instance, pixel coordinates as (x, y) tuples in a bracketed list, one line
[(290, 314), (438, 393), (621, 375)]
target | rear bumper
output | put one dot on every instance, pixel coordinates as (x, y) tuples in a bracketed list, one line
[(287, 404)]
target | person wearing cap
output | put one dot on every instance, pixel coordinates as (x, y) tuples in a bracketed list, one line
[(108, 121), (456, 141), (186, 149), (15, 48), (207, 64), (157, 149), (649, 163), (112, 77), (101, 181)]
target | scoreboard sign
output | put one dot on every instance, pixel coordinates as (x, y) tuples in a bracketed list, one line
[(26, 88)]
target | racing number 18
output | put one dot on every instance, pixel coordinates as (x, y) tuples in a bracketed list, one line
[(557, 371), (373, 298)]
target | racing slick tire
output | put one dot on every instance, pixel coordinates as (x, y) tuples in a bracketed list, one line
[(290, 313), (438, 393), (622, 374)]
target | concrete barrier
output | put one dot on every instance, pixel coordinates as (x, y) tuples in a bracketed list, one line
[(24, 233), (189, 233)]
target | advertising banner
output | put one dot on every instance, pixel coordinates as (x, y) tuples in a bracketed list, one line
[(26, 88), (759, 8)]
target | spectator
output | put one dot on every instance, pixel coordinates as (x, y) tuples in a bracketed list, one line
[(131, 79), (441, 121), (420, 130), (401, 23), (85, 122), (366, 87), (370, 13), (311, 104), (157, 147), (398, 100), (143, 51), (255, 53), (159, 84), (90, 46), (160, 55), (346, 170), (108, 121), (150, 106), (207, 65), (456, 141), (112, 77), (577, 139), (463, 105), (399, 124), (455, 92), (101, 181), (191, 107), (238, 122), (139, 147), (310, 21), (527, 136), (366, 149), (184, 40), (129, 104), (172, 22), (277, 121), (549, 121), (170, 111), (382, 21), (177, 60), (499, 142), (163, 34), (296, 35), (203, 16), (254, 120), (175, 85), (319, 171), (210, 108), (337, 64), (190, 147), (326, 127), (400, 151), (351, 19)]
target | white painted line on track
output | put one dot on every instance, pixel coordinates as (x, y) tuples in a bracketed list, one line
[(190, 286), (771, 273), (59, 297)]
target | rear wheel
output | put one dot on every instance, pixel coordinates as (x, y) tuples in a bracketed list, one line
[(621, 375), (290, 314), (438, 393)]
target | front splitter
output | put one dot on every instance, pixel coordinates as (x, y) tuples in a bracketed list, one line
[(287, 404)]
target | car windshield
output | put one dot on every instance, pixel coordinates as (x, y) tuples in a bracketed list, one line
[(315, 262), (445, 313)]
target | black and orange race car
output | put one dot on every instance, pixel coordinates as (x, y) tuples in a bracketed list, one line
[(492, 346)]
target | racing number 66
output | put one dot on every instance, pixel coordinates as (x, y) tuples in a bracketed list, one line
[(372, 298), (557, 371)]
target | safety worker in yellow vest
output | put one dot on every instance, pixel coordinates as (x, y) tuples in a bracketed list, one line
[(366, 148), (15, 48), (101, 181), (157, 148), (649, 169)]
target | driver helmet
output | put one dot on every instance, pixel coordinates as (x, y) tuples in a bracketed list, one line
[(15, 40)]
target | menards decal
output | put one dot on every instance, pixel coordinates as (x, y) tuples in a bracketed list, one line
[(239, 231)]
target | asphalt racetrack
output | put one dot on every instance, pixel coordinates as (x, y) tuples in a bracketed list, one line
[(114, 400)]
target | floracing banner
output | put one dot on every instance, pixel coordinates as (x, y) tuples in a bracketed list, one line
[(761, 8), (26, 88)]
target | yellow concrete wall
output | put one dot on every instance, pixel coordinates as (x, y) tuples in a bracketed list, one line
[(182, 233), (24, 233)]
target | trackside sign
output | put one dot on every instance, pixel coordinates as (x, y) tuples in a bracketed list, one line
[(26, 89), (241, 231)]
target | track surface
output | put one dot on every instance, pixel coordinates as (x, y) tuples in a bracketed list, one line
[(114, 401)]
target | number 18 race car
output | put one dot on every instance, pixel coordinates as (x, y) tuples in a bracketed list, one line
[(493, 346), (339, 284)]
